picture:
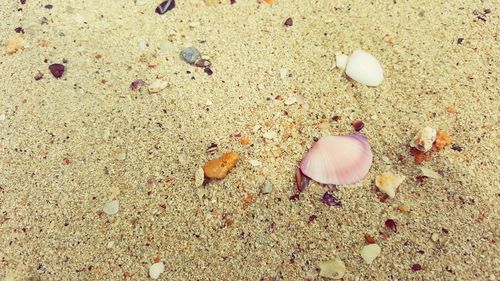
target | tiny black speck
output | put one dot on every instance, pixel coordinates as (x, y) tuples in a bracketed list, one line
[(460, 40)]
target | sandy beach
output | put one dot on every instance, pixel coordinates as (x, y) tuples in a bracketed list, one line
[(75, 147)]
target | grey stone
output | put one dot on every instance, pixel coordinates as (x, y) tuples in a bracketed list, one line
[(190, 54)]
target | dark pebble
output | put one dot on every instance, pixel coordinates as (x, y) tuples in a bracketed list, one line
[(57, 70), (416, 267), (312, 218), (336, 118), (460, 40), (288, 22), (19, 30), (203, 63), (23, 2), (65, 61), (358, 125), (330, 200), (487, 11), (136, 85), (294, 197), (208, 71), (390, 223), (456, 147), (165, 7), (49, 6), (232, 2)]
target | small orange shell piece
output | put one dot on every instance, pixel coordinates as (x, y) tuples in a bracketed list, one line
[(270, 2), (443, 139), (244, 141), (218, 168)]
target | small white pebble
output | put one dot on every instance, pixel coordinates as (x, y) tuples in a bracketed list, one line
[(370, 252), (156, 269), (269, 135), (142, 43), (209, 103), (157, 86), (182, 158), (3, 117), (430, 173), (435, 237), (388, 183), (199, 177), (256, 128), (255, 163), (261, 86), (267, 187), (110, 244), (111, 207), (341, 60), (333, 269), (283, 73), (290, 100)]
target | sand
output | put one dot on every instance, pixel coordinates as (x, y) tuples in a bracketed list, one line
[(69, 145)]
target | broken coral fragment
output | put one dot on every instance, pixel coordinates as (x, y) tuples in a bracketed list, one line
[(388, 183), (424, 139)]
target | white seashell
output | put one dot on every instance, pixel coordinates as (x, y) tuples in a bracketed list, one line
[(430, 173), (341, 60), (388, 183), (370, 252), (111, 207), (338, 159), (156, 269), (424, 139), (364, 68), (333, 269), (157, 86)]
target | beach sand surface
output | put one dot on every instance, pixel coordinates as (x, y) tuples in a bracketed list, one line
[(69, 145)]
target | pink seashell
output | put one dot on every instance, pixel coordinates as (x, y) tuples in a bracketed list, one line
[(338, 159)]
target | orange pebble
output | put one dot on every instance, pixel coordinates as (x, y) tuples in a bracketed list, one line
[(403, 209), (248, 198), (443, 139), (218, 168), (369, 239), (451, 110), (269, 1), (244, 141)]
